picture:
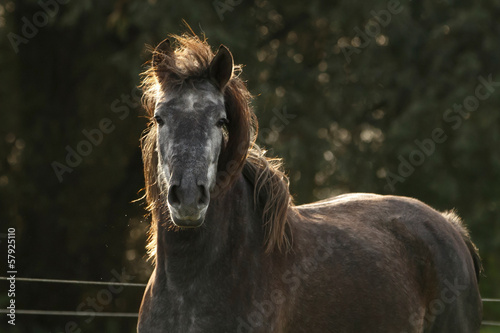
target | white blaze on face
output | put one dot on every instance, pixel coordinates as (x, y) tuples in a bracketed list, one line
[(192, 97), (212, 147), (189, 101), (201, 107)]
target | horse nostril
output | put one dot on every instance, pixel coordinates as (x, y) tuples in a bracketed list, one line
[(204, 196), (188, 200), (173, 197)]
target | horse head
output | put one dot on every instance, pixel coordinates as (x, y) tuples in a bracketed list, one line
[(191, 123)]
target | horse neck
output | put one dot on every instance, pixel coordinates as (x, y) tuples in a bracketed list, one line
[(230, 234)]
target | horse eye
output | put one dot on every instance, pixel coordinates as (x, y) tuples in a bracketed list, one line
[(158, 120), (221, 122)]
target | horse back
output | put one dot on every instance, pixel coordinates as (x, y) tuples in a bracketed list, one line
[(387, 262)]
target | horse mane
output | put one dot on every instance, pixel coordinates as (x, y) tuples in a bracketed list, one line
[(190, 61)]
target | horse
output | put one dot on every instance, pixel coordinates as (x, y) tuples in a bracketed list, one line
[(233, 253)]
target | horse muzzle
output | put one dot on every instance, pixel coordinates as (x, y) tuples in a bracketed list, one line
[(188, 204), (185, 220)]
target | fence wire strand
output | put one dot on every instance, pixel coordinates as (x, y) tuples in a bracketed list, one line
[(98, 283), (120, 314), (490, 323), (73, 313)]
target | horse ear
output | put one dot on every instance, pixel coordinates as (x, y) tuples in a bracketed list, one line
[(221, 67), (160, 54)]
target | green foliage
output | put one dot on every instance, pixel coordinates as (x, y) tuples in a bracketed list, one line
[(356, 102)]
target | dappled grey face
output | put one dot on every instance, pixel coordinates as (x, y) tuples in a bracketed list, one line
[(190, 125)]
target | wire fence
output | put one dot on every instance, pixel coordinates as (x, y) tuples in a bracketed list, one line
[(98, 283), (72, 313), (124, 314)]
